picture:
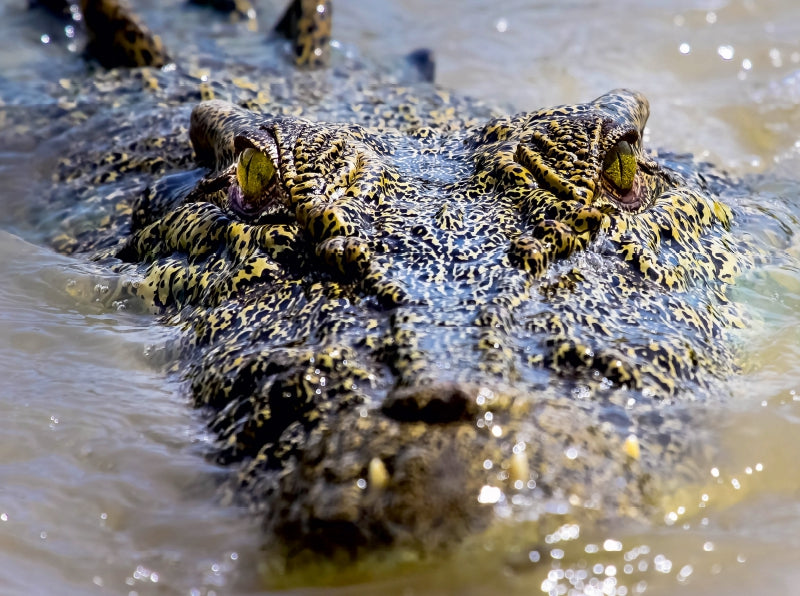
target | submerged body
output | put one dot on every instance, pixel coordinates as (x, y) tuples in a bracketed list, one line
[(402, 309)]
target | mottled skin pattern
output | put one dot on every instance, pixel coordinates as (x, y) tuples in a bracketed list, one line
[(426, 310), (308, 24), (118, 38)]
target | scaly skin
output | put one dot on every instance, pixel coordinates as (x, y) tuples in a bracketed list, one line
[(400, 307), (400, 286), (118, 38)]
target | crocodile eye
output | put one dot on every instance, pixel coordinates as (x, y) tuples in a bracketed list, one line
[(254, 172), (619, 167)]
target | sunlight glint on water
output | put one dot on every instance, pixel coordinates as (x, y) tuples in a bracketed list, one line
[(102, 482)]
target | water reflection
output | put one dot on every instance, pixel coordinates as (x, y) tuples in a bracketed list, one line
[(100, 481)]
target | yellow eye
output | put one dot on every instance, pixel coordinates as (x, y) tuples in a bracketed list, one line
[(619, 166), (254, 171)]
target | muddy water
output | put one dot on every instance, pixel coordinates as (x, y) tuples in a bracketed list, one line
[(103, 488)]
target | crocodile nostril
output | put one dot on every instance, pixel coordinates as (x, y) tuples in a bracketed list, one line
[(438, 403)]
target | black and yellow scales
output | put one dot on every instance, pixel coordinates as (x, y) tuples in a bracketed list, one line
[(399, 308)]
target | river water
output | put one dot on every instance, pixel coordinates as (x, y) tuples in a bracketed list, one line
[(103, 487)]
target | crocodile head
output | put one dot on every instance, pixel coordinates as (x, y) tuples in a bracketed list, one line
[(397, 330)]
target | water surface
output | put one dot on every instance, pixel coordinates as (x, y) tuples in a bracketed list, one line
[(103, 487)]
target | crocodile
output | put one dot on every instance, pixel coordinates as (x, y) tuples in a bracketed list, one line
[(405, 314)]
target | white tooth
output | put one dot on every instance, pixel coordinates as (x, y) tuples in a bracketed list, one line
[(377, 474)]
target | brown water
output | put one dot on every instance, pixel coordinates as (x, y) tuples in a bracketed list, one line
[(102, 486)]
